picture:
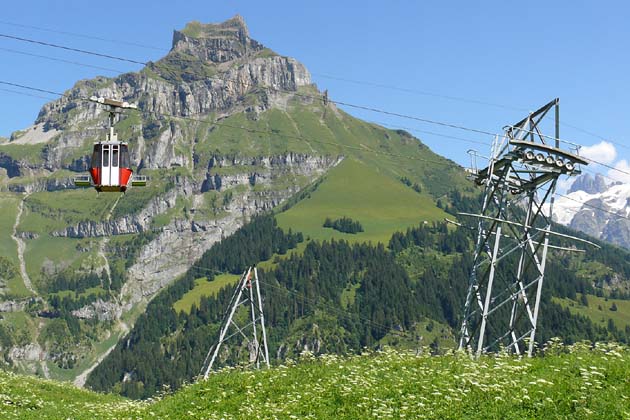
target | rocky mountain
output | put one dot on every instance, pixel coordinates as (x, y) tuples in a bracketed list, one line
[(225, 129), (596, 208), (589, 184)]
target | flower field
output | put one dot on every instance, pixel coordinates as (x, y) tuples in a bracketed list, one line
[(579, 381)]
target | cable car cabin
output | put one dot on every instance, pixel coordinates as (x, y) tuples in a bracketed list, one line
[(110, 167)]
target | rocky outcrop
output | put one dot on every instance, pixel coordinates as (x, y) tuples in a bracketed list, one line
[(101, 310), (13, 306), (31, 352), (43, 184), (617, 231), (12, 166), (183, 241), (597, 209), (217, 43), (589, 184), (263, 170), (157, 96), (90, 229), (211, 73), (135, 223), (224, 51), (163, 149), (35, 134), (590, 220)]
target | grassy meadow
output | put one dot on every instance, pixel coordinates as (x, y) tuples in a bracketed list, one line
[(203, 287), (599, 310), (381, 204), (577, 382)]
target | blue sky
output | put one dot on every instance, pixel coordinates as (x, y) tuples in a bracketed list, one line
[(500, 58)]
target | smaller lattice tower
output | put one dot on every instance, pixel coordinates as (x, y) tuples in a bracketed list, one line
[(247, 294)]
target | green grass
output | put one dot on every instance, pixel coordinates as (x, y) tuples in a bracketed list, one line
[(193, 29), (17, 288), (621, 317), (229, 138), (57, 250), (348, 295), (29, 152), (309, 128), (266, 53), (381, 204), (577, 382), (32, 398), (8, 211), (55, 210), (203, 287), (97, 291), (46, 212), (19, 320), (8, 248)]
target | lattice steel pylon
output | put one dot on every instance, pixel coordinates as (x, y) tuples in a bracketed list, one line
[(514, 228), (247, 292)]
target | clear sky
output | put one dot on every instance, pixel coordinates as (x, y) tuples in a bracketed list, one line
[(500, 58)]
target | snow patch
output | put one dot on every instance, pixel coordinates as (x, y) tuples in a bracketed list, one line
[(614, 198)]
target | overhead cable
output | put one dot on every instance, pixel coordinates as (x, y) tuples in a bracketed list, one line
[(97, 38), (274, 133)]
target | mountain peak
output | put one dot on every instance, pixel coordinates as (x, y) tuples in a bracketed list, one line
[(231, 28), (589, 184), (216, 42)]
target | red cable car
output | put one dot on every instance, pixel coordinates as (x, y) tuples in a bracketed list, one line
[(110, 168)]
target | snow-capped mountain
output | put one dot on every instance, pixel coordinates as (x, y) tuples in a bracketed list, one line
[(595, 208)]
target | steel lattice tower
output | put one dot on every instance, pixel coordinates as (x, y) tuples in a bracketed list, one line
[(247, 292), (514, 228)]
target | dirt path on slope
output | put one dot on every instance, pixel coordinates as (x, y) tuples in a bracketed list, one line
[(79, 381), (21, 246)]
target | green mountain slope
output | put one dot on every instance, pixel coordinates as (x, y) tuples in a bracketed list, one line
[(382, 204), (577, 382), (600, 310)]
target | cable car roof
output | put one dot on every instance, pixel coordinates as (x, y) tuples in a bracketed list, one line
[(115, 142)]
